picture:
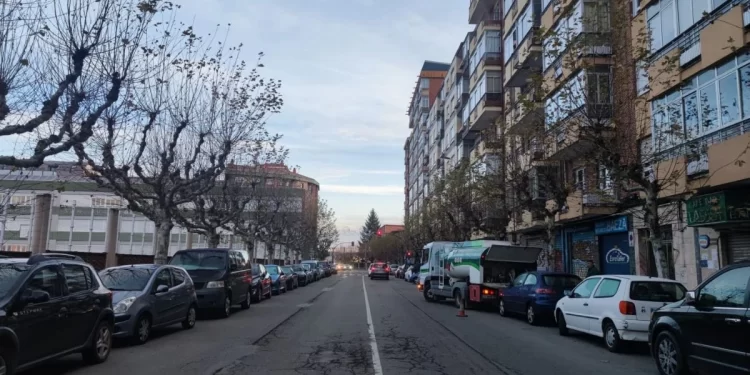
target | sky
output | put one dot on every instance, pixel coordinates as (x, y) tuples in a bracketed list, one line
[(348, 69)]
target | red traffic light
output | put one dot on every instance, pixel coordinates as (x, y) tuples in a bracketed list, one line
[(408, 253)]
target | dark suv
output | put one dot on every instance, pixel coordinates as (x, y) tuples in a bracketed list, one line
[(709, 331), (56, 294)]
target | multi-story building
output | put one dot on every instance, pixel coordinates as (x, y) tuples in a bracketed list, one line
[(424, 120), (57, 208), (703, 98)]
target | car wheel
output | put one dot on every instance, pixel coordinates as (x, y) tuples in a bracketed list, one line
[(189, 321), (562, 326), (226, 310), (668, 355), (246, 303), (531, 315), (612, 338), (429, 296), (101, 344), (6, 362), (142, 330), (501, 308), (258, 294)]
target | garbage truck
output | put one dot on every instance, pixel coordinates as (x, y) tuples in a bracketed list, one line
[(474, 272)]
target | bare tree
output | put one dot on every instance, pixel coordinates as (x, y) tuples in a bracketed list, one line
[(64, 64), (326, 232), (171, 139)]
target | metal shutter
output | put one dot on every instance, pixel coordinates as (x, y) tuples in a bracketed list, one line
[(739, 246)]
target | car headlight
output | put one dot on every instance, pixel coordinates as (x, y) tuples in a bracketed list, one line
[(123, 306), (215, 284)]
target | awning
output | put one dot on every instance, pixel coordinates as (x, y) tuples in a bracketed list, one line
[(513, 254)]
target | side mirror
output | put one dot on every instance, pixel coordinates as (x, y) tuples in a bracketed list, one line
[(36, 296), (568, 293), (161, 289), (690, 298)]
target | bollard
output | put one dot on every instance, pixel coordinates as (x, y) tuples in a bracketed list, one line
[(461, 307)]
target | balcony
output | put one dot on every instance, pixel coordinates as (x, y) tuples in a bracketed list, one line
[(478, 10), (574, 136), (582, 205), (489, 108), (525, 62), (528, 222), (525, 117)]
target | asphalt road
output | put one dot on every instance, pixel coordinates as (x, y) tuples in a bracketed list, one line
[(348, 324)]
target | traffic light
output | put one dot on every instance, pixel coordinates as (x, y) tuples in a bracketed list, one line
[(408, 254)]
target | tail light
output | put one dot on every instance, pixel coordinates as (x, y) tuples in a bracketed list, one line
[(627, 308), (545, 291), (488, 292), (387, 269)]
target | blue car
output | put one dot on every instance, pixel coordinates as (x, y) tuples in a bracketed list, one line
[(535, 294)]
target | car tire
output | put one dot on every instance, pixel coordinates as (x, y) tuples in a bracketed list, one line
[(190, 318), (248, 298), (142, 330), (562, 325), (501, 308), (428, 296), (100, 346), (612, 338), (7, 360), (226, 309), (531, 317), (668, 355), (259, 295)]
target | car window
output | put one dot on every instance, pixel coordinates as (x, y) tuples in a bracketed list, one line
[(586, 288), (726, 290), (561, 281), (126, 278), (75, 278), (262, 269), (255, 269), (243, 257), (607, 288), (531, 280), (90, 279), (519, 280), (656, 291), (48, 280), (200, 260), (178, 276), (10, 274), (162, 278), (273, 270)]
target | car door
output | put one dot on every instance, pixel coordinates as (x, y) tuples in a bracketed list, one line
[(163, 302), (183, 293), (35, 321), (719, 334), (265, 279), (511, 295), (80, 302), (576, 306), (234, 278), (527, 292)]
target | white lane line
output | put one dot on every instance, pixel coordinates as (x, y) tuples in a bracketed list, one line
[(373, 343)]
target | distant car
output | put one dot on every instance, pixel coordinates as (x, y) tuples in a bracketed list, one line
[(393, 268), (380, 270), (147, 297), (221, 277), (278, 279), (535, 294), (52, 305), (292, 279), (615, 307), (400, 270), (310, 271), (412, 274), (303, 277), (316, 268)]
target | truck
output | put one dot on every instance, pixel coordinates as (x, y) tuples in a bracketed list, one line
[(475, 272)]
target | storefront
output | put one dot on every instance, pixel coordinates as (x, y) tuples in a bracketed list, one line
[(615, 252), (727, 212), (581, 246)]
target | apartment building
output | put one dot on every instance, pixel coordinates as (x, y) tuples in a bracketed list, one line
[(420, 149), (704, 99)]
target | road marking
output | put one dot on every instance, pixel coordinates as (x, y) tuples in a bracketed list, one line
[(373, 343), (326, 289)]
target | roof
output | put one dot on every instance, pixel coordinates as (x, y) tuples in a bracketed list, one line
[(435, 66), (270, 169)]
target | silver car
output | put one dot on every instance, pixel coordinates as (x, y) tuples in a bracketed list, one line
[(149, 296)]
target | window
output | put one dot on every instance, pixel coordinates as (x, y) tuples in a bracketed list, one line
[(526, 22), (726, 290), (579, 178), (75, 278), (178, 276), (608, 288), (655, 291), (642, 78), (530, 281), (520, 279), (47, 280), (599, 88), (636, 6), (595, 16), (507, 4), (570, 97), (424, 83), (126, 279), (605, 178), (106, 202), (667, 19), (162, 278), (586, 288), (489, 45)]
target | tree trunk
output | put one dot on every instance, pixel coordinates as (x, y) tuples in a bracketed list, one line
[(654, 237), (161, 242), (213, 240)]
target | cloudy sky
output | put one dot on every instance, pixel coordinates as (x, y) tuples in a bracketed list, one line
[(348, 69)]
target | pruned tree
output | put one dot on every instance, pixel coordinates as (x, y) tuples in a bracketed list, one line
[(172, 138), (65, 64)]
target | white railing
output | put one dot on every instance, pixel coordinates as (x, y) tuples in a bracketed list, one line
[(691, 53)]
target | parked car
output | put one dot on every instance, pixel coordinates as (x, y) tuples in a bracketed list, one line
[(52, 305), (335, 269), (393, 268), (261, 282), (326, 267), (412, 274), (292, 280), (315, 268), (400, 271), (147, 297), (535, 294), (709, 330), (221, 278), (615, 307), (278, 279), (380, 270), (311, 276)]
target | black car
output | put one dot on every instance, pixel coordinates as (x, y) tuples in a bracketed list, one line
[(292, 279), (708, 332), (52, 294), (221, 278), (303, 277), (261, 283)]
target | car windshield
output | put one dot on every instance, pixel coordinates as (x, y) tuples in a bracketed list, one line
[(200, 260), (656, 291), (10, 273), (287, 269), (126, 279), (561, 281), (306, 267), (272, 270)]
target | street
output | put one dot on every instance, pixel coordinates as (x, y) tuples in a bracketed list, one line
[(323, 329)]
